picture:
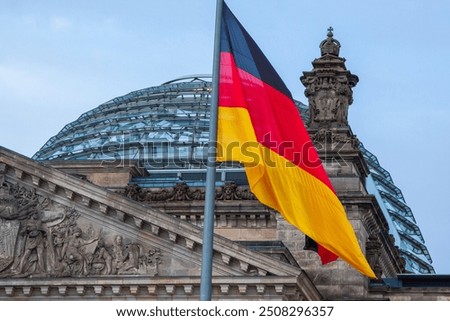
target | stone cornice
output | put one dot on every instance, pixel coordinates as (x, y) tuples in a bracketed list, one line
[(157, 288), (96, 166)]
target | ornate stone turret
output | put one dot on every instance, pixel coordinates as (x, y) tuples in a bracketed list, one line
[(329, 86), (329, 92)]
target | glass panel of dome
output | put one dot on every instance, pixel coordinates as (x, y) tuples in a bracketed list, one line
[(170, 152), (156, 136), (112, 138), (95, 142), (182, 113), (57, 153), (389, 206), (157, 152), (137, 125), (417, 250), (134, 153), (162, 124), (200, 152), (182, 152), (185, 137), (203, 137)]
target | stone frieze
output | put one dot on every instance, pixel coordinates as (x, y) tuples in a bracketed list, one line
[(39, 238), (183, 192)]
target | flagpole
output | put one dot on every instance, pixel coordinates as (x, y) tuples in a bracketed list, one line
[(210, 190)]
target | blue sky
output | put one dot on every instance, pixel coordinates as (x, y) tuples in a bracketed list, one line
[(59, 59)]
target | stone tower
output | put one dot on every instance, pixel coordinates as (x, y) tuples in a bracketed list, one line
[(329, 91)]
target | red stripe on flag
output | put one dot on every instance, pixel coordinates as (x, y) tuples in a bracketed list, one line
[(275, 118)]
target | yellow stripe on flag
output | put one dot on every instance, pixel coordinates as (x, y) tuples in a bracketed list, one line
[(301, 198)]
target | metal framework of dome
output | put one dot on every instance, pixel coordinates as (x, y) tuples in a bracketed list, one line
[(399, 215), (166, 129), (153, 124)]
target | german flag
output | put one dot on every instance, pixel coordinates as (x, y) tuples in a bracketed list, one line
[(259, 125)]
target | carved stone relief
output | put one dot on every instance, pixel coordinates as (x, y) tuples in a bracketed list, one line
[(329, 99), (231, 191), (40, 238), (183, 192)]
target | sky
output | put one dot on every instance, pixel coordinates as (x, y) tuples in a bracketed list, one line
[(59, 59)]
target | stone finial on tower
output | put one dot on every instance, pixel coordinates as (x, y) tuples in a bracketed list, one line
[(329, 86), (330, 46)]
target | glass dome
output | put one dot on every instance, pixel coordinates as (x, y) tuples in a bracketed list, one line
[(152, 124), (164, 127)]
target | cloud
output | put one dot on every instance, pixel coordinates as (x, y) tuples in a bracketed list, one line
[(60, 23)]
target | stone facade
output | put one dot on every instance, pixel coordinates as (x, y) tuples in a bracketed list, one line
[(79, 230), (63, 237)]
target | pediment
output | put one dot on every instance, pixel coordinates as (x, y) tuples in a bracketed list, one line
[(56, 226)]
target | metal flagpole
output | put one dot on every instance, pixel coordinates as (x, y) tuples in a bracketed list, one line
[(210, 190)]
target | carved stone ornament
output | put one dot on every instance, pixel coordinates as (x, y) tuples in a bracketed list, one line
[(329, 99), (183, 192), (231, 191), (329, 86), (373, 253), (38, 238), (328, 136)]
